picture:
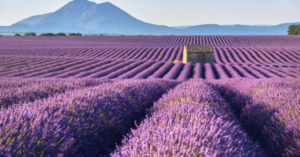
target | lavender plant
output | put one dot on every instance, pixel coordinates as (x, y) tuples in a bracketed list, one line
[(18, 91), (268, 110), (82, 122), (191, 120)]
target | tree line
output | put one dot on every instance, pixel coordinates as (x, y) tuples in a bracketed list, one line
[(294, 30), (48, 34)]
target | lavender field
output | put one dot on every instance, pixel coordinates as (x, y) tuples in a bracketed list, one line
[(132, 96), (148, 57)]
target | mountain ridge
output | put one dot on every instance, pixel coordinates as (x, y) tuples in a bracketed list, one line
[(89, 17)]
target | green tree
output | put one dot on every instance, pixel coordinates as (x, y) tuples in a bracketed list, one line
[(47, 34), (71, 34), (29, 34), (294, 30), (74, 34), (60, 34), (17, 35)]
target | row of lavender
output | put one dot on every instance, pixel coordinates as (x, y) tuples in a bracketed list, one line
[(237, 117), (269, 111), (222, 55), (146, 41), (19, 91), (79, 122), (260, 118), (59, 67), (191, 120)]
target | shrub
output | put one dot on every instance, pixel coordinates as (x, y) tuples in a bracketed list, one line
[(47, 34), (71, 34), (60, 34), (177, 61), (74, 34), (294, 30), (17, 35), (29, 34)]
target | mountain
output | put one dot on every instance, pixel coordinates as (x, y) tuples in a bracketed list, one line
[(280, 29), (89, 17)]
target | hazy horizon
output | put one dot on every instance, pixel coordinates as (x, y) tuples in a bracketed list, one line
[(174, 13)]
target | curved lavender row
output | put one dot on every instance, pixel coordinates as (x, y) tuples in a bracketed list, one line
[(21, 64), (146, 52), (191, 120), (162, 54), (168, 54), (83, 69), (150, 54), (179, 54), (123, 70), (71, 68), (232, 72), (221, 71), (197, 71), (173, 55), (136, 70), (64, 66), (108, 70), (268, 110), (147, 72), (44, 69), (289, 72), (278, 72), (186, 72), (8, 61), (162, 70), (174, 71), (235, 55), (209, 72), (81, 122), (230, 55), (34, 66), (245, 72), (55, 63), (222, 55), (7, 82), (156, 54), (266, 72), (36, 89), (96, 69)]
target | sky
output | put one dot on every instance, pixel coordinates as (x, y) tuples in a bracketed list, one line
[(173, 12)]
